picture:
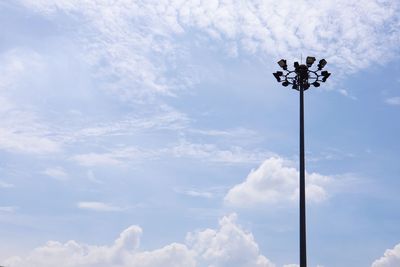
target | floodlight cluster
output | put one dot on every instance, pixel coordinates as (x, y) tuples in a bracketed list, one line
[(302, 77)]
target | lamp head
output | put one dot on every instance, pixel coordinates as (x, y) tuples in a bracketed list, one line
[(285, 83), (310, 61), (282, 64), (295, 85), (316, 84), (325, 75), (322, 64), (278, 75)]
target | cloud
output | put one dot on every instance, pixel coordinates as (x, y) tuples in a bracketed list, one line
[(93, 159), (391, 258), (21, 130), (195, 192), (8, 208), (124, 43), (276, 181), (6, 185), (394, 101), (98, 206), (134, 46), (332, 27), (227, 246), (56, 172), (183, 149), (213, 153)]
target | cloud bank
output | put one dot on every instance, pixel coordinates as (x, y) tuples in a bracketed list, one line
[(227, 246)]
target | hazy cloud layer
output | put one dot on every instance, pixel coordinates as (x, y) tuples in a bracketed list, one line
[(130, 43)]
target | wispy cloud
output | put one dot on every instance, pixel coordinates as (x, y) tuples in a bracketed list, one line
[(394, 101), (8, 208), (130, 44), (6, 185), (56, 172), (183, 149), (21, 130), (98, 206), (207, 193)]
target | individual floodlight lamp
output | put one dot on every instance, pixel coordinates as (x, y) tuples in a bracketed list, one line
[(310, 61), (278, 75), (316, 84), (321, 64), (282, 64), (325, 75)]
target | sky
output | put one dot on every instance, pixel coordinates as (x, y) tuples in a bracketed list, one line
[(152, 133)]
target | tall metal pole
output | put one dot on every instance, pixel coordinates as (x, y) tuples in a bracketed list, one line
[(302, 195), (301, 78)]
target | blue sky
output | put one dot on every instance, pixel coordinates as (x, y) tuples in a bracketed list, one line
[(152, 133)]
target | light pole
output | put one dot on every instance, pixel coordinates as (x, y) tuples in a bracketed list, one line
[(301, 78)]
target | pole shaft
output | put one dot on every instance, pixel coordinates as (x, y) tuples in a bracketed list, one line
[(302, 195)]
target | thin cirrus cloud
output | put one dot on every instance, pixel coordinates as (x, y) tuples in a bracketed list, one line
[(6, 185), (132, 43), (276, 181), (8, 208), (57, 173), (21, 130), (394, 101), (227, 245), (182, 149), (98, 206)]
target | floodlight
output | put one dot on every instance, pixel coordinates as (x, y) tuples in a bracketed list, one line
[(282, 64), (296, 65), (278, 75), (316, 84), (310, 61), (285, 83), (294, 85), (322, 64), (325, 75)]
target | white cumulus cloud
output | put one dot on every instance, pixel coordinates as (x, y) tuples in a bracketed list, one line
[(276, 181), (391, 258), (227, 246)]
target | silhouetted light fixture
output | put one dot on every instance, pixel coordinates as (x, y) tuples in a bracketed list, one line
[(301, 78), (325, 75), (321, 64), (310, 61), (282, 63), (278, 75), (316, 84)]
